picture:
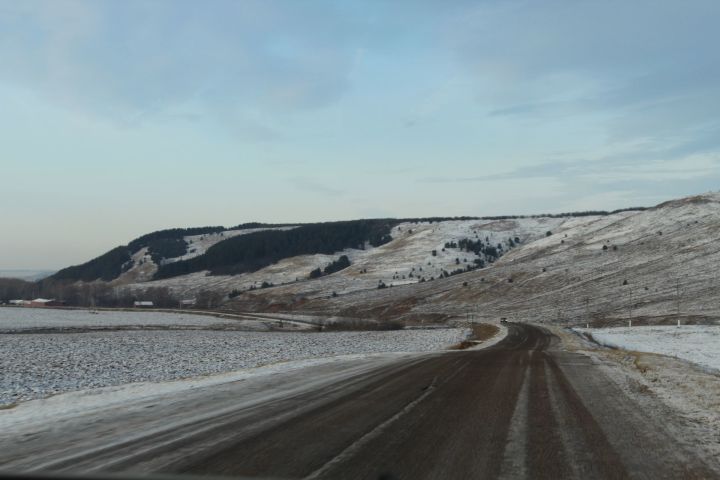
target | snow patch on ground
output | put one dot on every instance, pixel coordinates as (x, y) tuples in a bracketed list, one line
[(694, 343), (682, 387)]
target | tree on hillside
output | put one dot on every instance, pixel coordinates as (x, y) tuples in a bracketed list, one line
[(339, 264), (254, 251)]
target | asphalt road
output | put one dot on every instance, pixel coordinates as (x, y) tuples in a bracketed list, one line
[(520, 409)]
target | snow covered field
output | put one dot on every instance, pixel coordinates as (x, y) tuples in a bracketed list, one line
[(13, 318), (37, 365), (694, 343)]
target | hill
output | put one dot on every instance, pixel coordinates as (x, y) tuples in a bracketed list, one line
[(651, 266), (416, 252), (590, 267)]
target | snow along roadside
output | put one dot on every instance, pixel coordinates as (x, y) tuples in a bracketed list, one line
[(90, 402), (699, 344), (685, 395)]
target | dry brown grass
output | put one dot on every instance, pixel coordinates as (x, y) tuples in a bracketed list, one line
[(480, 333), (484, 331)]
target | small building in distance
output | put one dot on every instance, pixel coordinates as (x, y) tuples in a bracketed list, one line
[(17, 303), (44, 302), (143, 304)]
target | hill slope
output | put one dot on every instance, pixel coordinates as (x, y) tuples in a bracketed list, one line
[(418, 252), (647, 265)]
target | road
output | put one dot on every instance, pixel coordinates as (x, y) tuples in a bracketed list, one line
[(521, 409)]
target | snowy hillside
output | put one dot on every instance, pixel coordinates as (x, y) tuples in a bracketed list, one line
[(143, 267), (648, 265), (198, 244), (600, 269), (407, 259)]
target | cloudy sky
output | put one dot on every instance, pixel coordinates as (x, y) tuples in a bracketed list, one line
[(123, 117)]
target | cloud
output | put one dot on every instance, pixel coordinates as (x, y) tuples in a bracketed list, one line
[(607, 169), (530, 40), (646, 67), (131, 59), (545, 170)]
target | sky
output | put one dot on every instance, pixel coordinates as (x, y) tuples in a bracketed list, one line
[(118, 118)]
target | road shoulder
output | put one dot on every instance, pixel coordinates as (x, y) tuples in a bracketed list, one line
[(685, 396)]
